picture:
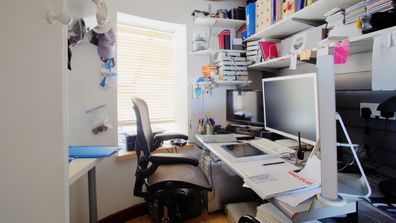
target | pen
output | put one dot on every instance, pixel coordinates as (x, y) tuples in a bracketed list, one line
[(312, 205), (267, 164)]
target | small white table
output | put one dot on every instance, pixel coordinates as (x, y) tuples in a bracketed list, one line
[(77, 169)]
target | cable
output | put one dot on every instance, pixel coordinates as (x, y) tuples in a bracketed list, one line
[(211, 179), (377, 148)]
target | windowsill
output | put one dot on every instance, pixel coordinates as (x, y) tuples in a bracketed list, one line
[(130, 155)]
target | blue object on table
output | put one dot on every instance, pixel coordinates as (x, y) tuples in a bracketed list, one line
[(71, 159), (250, 19), (92, 151)]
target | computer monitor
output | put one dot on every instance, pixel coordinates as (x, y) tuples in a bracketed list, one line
[(291, 106), (245, 107)]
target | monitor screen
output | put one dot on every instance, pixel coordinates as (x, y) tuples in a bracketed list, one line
[(290, 106), (245, 107)]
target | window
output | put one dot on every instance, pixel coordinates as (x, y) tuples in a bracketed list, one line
[(146, 68)]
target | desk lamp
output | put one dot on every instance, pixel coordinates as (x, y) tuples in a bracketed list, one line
[(388, 109)]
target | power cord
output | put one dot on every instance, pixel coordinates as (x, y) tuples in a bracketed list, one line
[(380, 144)]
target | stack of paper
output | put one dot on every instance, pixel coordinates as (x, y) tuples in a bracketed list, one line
[(253, 49), (281, 182), (269, 213), (336, 19), (311, 170), (232, 65), (355, 11)]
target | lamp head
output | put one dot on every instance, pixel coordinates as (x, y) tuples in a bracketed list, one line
[(388, 107)]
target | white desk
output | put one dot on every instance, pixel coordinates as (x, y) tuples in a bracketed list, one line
[(296, 214), (77, 169)]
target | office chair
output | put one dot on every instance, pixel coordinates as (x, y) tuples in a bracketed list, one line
[(170, 183), (248, 219)]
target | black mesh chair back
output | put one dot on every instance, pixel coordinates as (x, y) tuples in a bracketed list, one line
[(145, 139)]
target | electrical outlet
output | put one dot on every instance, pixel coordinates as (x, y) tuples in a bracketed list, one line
[(374, 113)]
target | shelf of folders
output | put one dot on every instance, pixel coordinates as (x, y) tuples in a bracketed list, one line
[(206, 126)]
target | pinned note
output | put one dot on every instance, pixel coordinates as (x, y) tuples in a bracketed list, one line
[(293, 61), (306, 54), (341, 52)]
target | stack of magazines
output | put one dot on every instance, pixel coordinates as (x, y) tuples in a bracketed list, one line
[(336, 19), (374, 6), (354, 12)]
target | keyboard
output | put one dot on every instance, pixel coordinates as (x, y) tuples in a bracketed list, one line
[(270, 146), (218, 138)]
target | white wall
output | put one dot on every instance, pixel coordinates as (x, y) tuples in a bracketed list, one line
[(33, 161), (115, 179)]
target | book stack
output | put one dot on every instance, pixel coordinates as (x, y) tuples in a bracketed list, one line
[(232, 66), (268, 12), (336, 19), (354, 12), (374, 6)]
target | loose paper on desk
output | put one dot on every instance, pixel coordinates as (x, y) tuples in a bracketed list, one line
[(271, 184), (341, 52), (311, 170)]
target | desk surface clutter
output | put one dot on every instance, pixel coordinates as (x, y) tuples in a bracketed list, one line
[(268, 181)]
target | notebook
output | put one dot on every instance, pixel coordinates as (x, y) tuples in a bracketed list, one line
[(92, 151)]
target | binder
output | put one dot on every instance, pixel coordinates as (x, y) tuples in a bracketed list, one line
[(300, 4), (92, 151), (251, 19), (225, 40)]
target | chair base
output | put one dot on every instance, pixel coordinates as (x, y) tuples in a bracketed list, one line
[(183, 204)]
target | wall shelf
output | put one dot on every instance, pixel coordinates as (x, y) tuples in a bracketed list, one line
[(230, 83), (276, 63), (358, 44), (225, 83), (364, 43), (219, 22), (288, 26), (213, 52)]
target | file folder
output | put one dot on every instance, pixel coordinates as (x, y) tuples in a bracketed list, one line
[(92, 151)]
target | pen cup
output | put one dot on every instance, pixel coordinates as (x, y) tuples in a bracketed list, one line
[(209, 129), (201, 129)]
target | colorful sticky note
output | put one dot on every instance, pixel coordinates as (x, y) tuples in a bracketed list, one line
[(306, 54), (341, 52)]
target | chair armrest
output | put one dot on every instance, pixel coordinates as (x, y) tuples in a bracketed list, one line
[(168, 136), (163, 159)]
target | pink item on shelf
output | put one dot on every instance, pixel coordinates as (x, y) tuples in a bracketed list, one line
[(269, 50), (341, 52)]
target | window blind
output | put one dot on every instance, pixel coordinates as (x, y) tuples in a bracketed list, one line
[(146, 69)]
